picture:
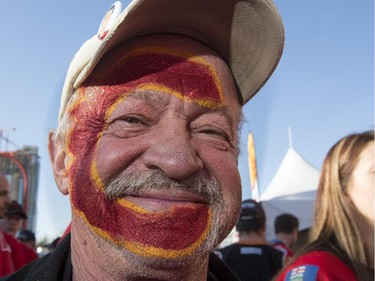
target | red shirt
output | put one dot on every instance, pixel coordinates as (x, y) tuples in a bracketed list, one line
[(11, 254), (29, 254), (318, 266), (287, 253), (6, 260)]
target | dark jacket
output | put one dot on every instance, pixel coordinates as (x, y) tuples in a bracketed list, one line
[(57, 266)]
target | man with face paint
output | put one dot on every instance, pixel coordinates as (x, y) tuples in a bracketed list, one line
[(147, 143)]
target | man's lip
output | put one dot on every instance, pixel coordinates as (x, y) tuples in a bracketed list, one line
[(153, 200)]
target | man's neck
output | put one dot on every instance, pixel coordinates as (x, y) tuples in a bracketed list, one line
[(285, 238), (252, 237), (94, 258)]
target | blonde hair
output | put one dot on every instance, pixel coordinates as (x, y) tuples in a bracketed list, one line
[(336, 219)]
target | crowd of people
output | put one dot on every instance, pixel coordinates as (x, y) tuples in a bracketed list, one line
[(252, 257), (286, 234), (341, 243), (341, 238), (147, 148)]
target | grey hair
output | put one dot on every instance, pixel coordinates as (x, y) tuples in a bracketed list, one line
[(66, 120)]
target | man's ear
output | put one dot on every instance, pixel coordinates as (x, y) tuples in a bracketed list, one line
[(58, 159)]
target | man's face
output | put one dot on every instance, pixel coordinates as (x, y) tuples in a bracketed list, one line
[(4, 195), (12, 223), (153, 149), (295, 236)]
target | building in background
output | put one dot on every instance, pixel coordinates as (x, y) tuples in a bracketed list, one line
[(22, 170)]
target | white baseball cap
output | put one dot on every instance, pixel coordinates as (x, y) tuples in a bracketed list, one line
[(248, 34)]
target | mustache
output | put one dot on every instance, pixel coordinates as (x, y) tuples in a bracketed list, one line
[(133, 183)]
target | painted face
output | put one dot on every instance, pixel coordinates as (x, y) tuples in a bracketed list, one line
[(4, 195), (153, 150), (361, 184), (13, 223)]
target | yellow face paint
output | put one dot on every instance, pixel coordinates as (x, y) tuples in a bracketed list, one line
[(175, 232)]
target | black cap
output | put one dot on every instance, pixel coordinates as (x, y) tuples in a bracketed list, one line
[(15, 208), (252, 216), (25, 235)]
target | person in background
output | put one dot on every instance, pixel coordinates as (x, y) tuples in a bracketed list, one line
[(12, 252), (302, 240), (14, 216), (252, 258), (286, 234), (27, 237), (4, 195), (52, 246), (147, 144), (6, 259), (342, 235)]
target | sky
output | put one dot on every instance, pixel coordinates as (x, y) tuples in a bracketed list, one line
[(323, 88)]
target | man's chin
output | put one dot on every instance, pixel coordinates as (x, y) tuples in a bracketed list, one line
[(158, 263), (143, 255)]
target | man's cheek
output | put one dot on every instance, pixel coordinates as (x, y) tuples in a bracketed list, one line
[(173, 233), (170, 234)]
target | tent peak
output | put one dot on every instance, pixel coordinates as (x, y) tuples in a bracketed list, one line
[(294, 175)]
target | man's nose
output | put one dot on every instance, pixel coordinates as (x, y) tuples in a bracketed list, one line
[(173, 152)]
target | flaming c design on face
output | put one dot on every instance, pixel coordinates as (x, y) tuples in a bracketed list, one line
[(172, 233)]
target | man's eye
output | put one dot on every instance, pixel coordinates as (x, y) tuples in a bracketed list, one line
[(211, 132), (215, 133), (132, 120), (3, 193)]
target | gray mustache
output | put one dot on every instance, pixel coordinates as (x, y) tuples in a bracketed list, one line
[(131, 183)]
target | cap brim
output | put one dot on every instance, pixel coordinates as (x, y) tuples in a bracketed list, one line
[(249, 35), (22, 215)]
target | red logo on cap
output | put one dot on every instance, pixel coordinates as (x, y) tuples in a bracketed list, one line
[(109, 20)]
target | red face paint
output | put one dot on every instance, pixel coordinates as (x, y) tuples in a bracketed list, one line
[(172, 233), (182, 72)]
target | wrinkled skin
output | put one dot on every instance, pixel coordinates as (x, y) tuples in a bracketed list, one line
[(166, 115)]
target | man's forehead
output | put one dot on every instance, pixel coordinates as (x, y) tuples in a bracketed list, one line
[(163, 45), (4, 184), (153, 98), (159, 44), (165, 69), (186, 69)]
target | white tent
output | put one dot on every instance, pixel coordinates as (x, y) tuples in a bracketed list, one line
[(292, 190)]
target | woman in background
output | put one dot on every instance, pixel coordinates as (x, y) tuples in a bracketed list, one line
[(342, 237)]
